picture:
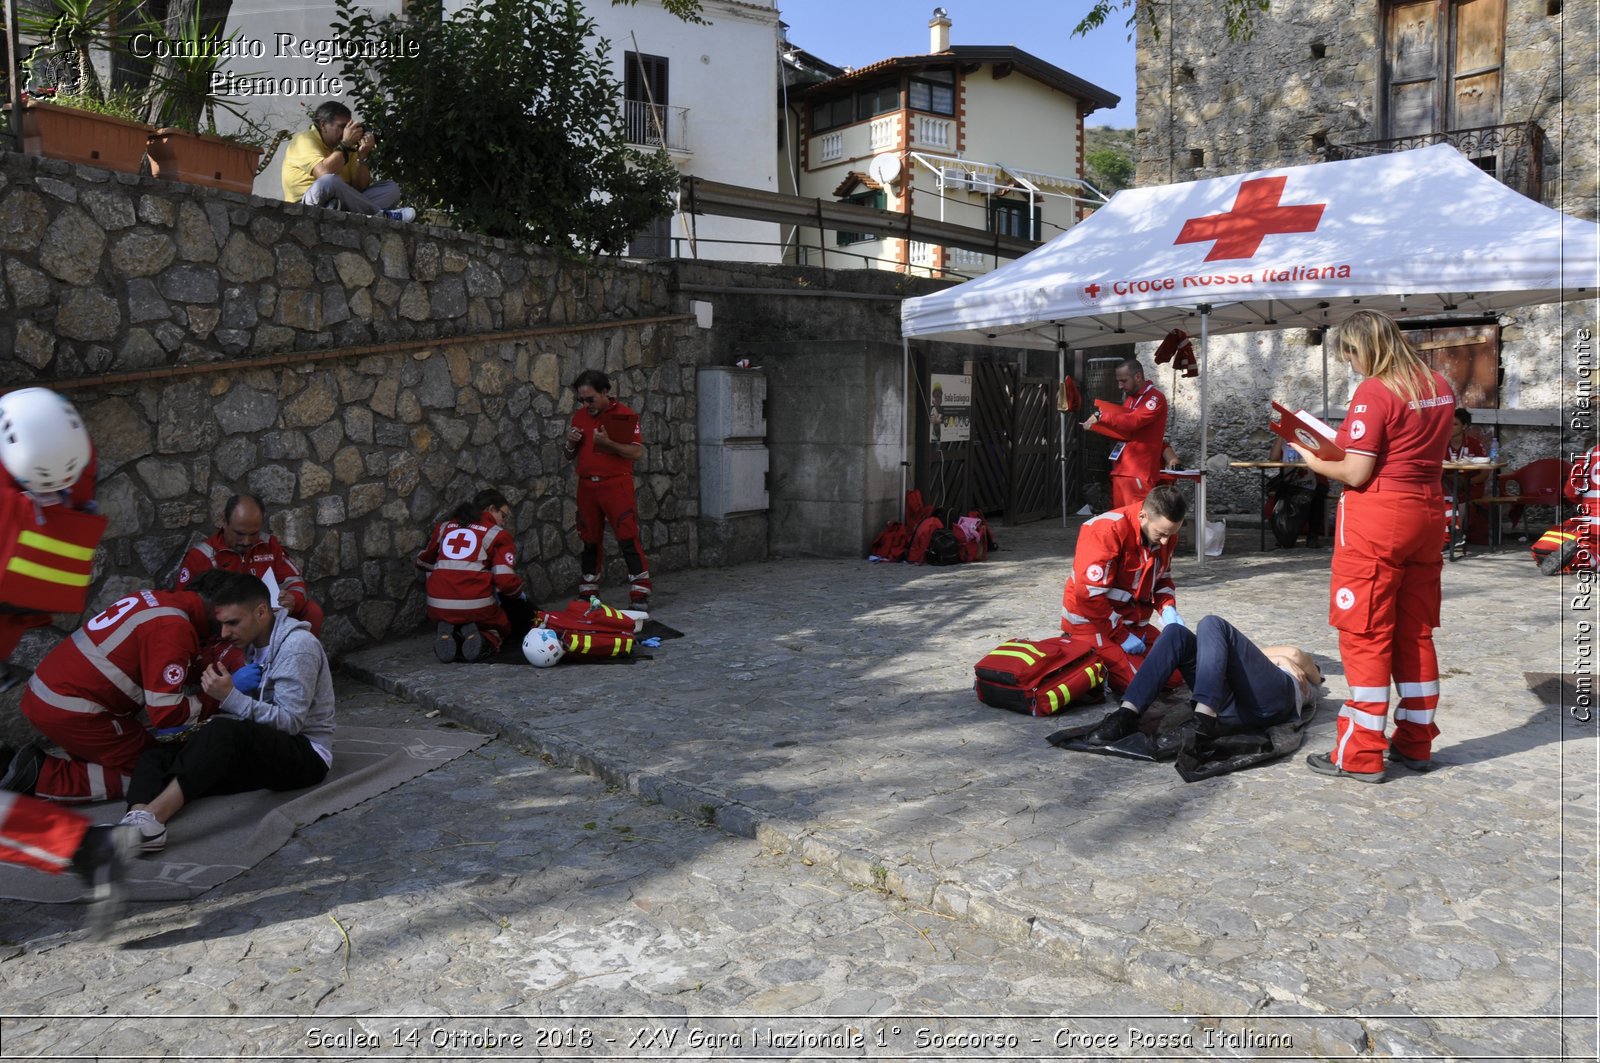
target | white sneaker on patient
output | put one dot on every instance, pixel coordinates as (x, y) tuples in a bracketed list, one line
[(152, 832)]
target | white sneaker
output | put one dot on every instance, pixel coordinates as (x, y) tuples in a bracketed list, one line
[(152, 832), (401, 214)]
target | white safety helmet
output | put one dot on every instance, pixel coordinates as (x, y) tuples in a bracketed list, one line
[(542, 647), (43, 443)]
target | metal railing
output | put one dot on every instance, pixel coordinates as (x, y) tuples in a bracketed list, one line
[(656, 125), (1513, 154)]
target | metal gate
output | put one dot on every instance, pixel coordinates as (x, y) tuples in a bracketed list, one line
[(1008, 466)]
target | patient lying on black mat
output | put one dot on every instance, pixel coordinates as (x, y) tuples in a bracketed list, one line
[(1250, 704)]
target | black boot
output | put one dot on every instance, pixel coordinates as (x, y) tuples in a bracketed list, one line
[(1118, 724)]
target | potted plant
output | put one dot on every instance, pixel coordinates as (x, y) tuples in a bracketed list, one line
[(67, 113), (181, 94)]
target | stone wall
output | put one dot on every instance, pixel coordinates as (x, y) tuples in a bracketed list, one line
[(362, 376), (1310, 75)]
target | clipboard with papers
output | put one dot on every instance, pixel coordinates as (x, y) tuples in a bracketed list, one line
[(1311, 435)]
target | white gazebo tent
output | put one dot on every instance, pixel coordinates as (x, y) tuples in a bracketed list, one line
[(1414, 233)]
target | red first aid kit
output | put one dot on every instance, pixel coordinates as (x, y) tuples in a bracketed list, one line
[(1040, 677), (589, 629), (46, 564)]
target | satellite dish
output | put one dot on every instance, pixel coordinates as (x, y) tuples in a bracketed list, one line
[(884, 168)]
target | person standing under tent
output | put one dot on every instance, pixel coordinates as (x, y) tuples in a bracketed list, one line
[(1386, 562)]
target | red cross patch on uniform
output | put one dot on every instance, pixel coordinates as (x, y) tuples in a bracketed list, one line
[(173, 674)]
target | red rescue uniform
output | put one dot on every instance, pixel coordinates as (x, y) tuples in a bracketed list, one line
[(1117, 582), (38, 834), (1583, 527), (1386, 567), (87, 693), (258, 560), (17, 512), (605, 496), (1140, 426), (467, 566)]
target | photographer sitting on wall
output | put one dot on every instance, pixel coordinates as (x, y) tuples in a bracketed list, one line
[(326, 166)]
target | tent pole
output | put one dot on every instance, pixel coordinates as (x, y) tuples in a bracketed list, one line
[(1325, 412), (1061, 417), (1205, 426), (905, 419)]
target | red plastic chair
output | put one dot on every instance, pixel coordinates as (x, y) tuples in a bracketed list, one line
[(1537, 483)]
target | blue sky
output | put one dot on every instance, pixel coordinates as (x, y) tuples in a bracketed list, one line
[(858, 32)]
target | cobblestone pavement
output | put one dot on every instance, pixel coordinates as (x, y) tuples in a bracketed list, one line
[(825, 708), (499, 897)]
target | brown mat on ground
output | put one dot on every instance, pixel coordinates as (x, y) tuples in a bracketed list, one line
[(1554, 688), (217, 838)]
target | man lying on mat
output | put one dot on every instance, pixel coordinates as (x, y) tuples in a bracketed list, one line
[(274, 729)]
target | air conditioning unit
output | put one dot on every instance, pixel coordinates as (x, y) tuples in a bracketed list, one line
[(983, 183), (955, 179)]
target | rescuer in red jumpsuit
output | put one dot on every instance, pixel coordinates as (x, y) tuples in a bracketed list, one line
[(1140, 426), (1121, 577), (1386, 561), (604, 438), (47, 461), (474, 592), (238, 545)]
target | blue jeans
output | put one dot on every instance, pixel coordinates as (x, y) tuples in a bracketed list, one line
[(1223, 669)]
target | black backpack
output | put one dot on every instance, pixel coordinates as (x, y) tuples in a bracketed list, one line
[(944, 548)]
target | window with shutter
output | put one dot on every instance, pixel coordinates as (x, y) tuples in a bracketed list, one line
[(1442, 65)]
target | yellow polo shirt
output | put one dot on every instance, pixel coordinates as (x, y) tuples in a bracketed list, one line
[(305, 150)]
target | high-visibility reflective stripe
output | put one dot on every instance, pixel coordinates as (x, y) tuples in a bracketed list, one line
[(1422, 716), (1419, 690), (1025, 658), (502, 570), (451, 566), (101, 663), (154, 699), (459, 603), (1372, 721), (126, 628), (64, 702), (39, 541), (97, 781), (1096, 592), (23, 567), (34, 851), (1024, 647), (1378, 694), (209, 551), (1050, 698)]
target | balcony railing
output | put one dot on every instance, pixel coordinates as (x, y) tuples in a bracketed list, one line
[(655, 125), (1514, 154)]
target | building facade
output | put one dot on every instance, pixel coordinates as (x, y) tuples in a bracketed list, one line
[(1510, 83), (989, 137)]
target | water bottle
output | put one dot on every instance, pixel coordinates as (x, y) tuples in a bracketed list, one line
[(1494, 449)]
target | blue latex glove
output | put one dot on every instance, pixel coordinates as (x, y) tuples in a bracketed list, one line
[(1169, 615), (247, 680), (1133, 644), (654, 642)]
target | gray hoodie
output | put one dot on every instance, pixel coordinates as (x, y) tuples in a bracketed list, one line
[(296, 694)]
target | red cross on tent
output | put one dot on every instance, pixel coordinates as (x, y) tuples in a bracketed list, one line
[(1256, 214)]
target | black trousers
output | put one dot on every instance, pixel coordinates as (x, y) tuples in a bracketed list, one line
[(228, 756)]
